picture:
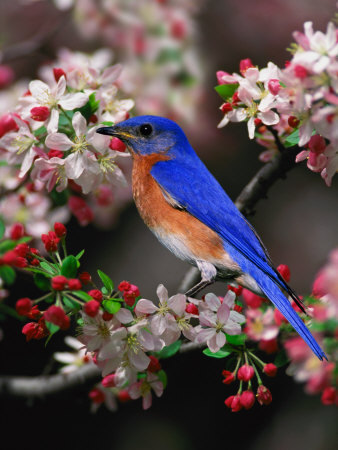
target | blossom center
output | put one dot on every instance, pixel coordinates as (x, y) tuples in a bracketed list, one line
[(23, 143), (80, 144)]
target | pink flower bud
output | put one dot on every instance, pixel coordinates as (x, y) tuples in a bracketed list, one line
[(226, 107), (270, 370), (264, 396), (74, 284), (278, 317), (247, 399), (60, 229), (6, 76), (274, 86), (245, 372), (91, 308), (284, 270), (7, 123), (178, 29), (81, 210), (234, 402), (117, 145), (319, 288), (317, 144), (251, 299), (57, 316), (300, 71), (23, 306), (244, 65), (109, 381), (59, 283), (97, 396), (40, 113)]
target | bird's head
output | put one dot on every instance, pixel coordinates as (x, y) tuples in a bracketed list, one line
[(145, 135)]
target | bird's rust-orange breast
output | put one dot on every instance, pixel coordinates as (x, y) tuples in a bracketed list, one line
[(157, 212)]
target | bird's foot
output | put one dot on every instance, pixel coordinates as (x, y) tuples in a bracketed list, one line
[(208, 273)]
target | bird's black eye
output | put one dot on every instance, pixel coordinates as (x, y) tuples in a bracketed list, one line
[(146, 129)]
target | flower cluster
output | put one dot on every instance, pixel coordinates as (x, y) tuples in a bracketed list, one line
[(49, 141), (156, 43), (296, 105)]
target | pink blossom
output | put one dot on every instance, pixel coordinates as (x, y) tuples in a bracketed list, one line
[(143, 389)]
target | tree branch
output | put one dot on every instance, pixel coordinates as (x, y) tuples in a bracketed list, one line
[(255, 190)]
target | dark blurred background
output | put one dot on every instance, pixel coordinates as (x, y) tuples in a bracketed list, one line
[(298, 224)]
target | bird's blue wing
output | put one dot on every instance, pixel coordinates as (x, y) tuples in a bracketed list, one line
[(193, 187)]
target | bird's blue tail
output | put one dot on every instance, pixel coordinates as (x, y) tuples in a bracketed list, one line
[(273, 292)]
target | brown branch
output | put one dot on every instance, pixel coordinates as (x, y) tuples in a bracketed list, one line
[(255, 190)]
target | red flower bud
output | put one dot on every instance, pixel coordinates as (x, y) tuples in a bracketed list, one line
[(17, 231), (23, 306), (22, 249), (191, 309), (97, 396), (34, 330), (237, 290), (234, 402), (251, 299), (60, 229), (284, 270), (7, 123), (6, 76), (40, 113), (109, 381), (57, 316), (96, 294), (74, 284), (58, 73), (91, 308), (269, 345), (238, 308), (257, 122), (247, 399), (154, 365), (293, 121), (226, 107), (55, 154), (123, 286), (329, 396), (50, 241), (263, 395), (245, 372), (228, 377), (81, 210), (107, 316), (270, 370), (12, 259), (123, 396), (131, 294), (59, 283), (117, 145), (85, 277)]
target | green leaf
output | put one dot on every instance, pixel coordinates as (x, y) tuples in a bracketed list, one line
[(226, 91), (3, 163), (52, 327), (82, 295), (41, 130), (281, 359), (90, 107), (104, 291), (329, 325), (2, 228), (42, 282), (163, 377), (69, 267), (292, 139), (169, 350), (59, 198), (111, 306), (237, 339), (24, 239), (7, 273), (6, 245), (169, 54), (78, 256), (107, 282), (220, 354), (49, 268), (63, 121), (108, 124), (71, 304)]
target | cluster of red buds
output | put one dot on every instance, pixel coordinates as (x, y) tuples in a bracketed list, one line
[(245, 373)]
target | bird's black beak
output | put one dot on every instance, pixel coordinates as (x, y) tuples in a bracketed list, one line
[(115, 131)]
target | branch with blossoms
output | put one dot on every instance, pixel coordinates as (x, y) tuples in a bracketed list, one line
[(126, 337)]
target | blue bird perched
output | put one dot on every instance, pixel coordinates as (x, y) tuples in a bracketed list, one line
[(189, 212)]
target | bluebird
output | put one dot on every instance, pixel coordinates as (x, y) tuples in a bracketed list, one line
[(190, 213)]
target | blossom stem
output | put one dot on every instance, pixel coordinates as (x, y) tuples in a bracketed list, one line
[(68, 118), (64, 247), (259, 380), (59, 258), (240, 388), (262, 363), (74, 299), (38, 300), (237, 365)]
